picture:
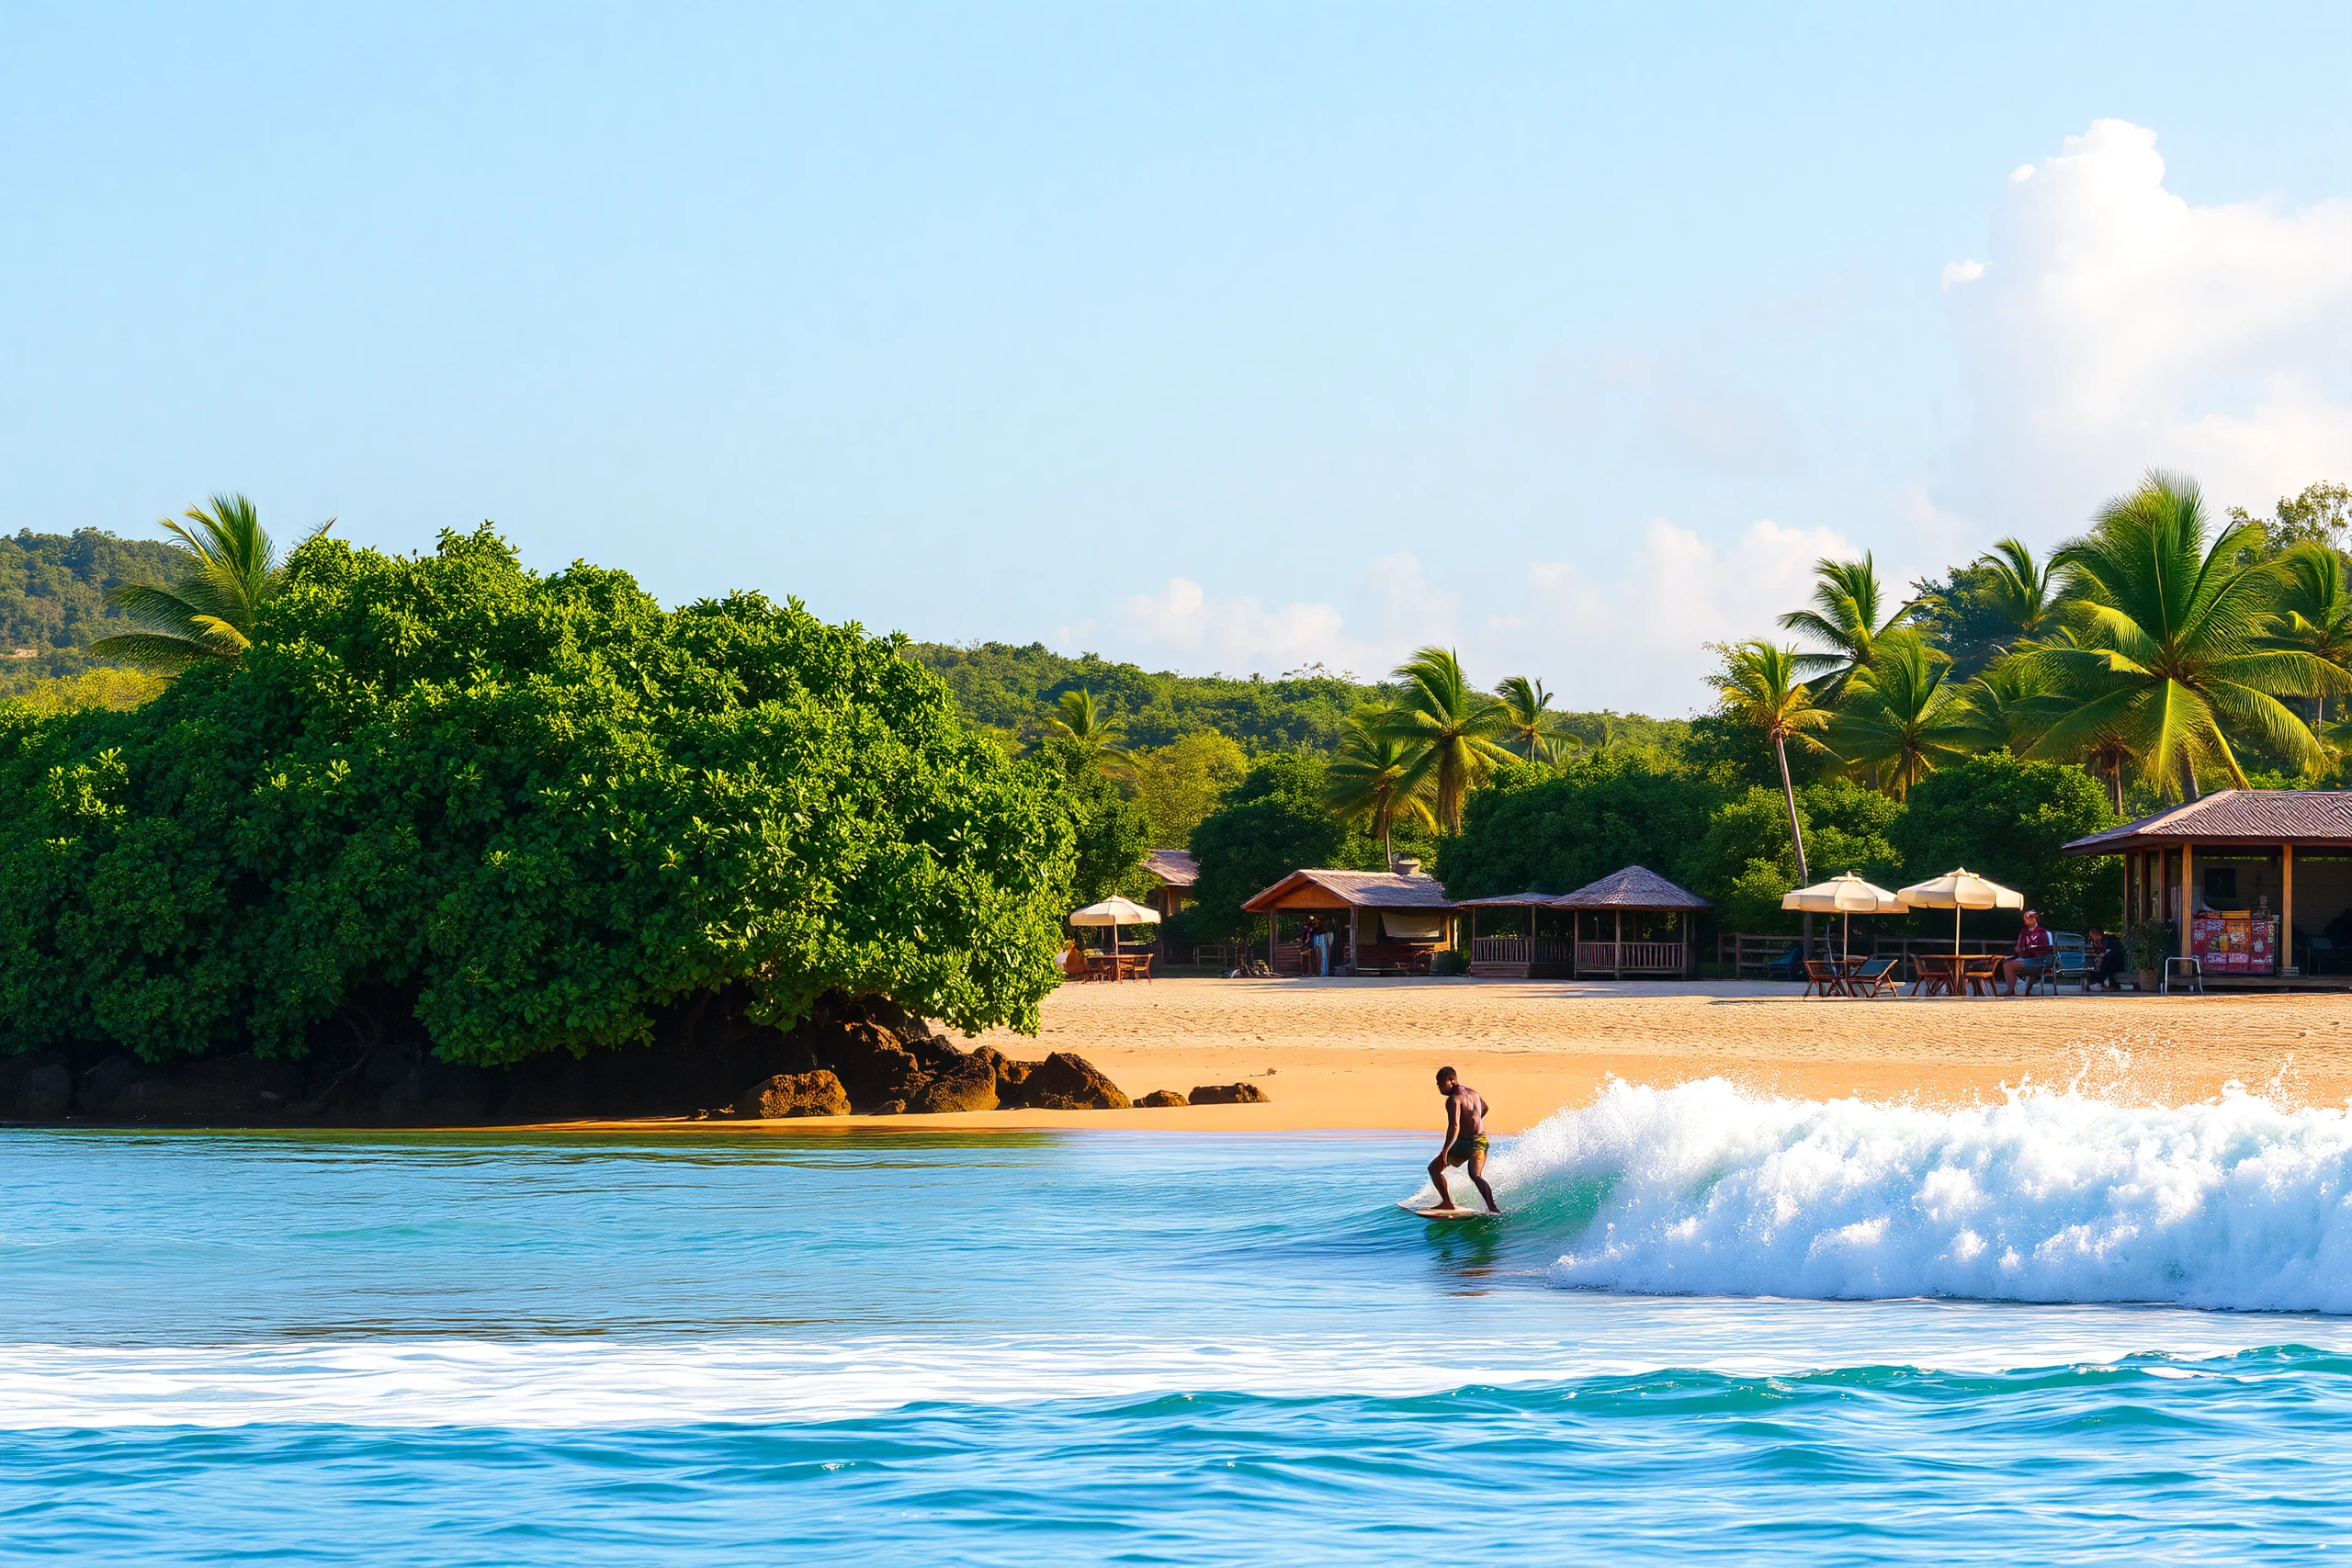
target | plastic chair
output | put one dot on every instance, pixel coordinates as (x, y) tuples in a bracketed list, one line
[(2191, 970)]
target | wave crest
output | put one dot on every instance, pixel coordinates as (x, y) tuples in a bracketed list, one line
[(1701, 1189)]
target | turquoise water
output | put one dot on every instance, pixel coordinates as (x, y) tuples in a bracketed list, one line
[(1107, 1346)]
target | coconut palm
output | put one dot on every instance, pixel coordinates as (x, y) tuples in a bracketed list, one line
[(1077, 717), (2169, 654), (2314, 611), (1847, 621), (1452, 731), (1901, 718), (208, 616), (1366, 783), (1762, 686), (1534, 729), (2022, 592)]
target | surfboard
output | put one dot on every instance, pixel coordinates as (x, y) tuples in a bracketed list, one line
[(1454, 1213)]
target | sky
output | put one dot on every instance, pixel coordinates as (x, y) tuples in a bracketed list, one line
[(1225, 338)]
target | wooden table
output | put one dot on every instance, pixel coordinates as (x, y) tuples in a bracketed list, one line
[(1944, 973)]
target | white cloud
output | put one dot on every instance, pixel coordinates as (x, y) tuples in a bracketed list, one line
[(1960, 272), (2117, 326)]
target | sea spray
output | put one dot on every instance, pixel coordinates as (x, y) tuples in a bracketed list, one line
[(2046, 1196)]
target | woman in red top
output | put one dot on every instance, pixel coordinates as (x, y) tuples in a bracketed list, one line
[(2036, 947)]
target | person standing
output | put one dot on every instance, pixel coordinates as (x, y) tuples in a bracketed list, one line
[(1465, 1139)]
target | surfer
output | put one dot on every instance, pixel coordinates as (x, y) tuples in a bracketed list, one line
[(1466, 1138)]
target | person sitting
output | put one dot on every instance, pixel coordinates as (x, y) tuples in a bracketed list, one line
[(2035, 949), (2103, 960)]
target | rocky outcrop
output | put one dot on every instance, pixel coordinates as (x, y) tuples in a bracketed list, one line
[(1229, 1094), (967, 1083), (225, 1089), (1160, 1099), (793, 1094), (1064, 1082)]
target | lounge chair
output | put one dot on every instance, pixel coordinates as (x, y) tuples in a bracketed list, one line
[(1822, 979), (1875, 978)]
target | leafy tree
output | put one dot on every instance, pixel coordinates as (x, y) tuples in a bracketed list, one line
[(1759, 687), (1533, 729), (1369, 785), (1451, 731), (91, 689), (2320, 514), (228, 570), (528, 813), (53, 589), (1848, 617), (1082, 722), (2026, 595), (1550, 832), (2170, 656), (2005, 818), (2314, 612), (1276, 823), (1900, 718), (1744, 861), (1112, 832), (1180, 783)]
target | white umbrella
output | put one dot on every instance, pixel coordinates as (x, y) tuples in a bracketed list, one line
[(1846, 894), (1958, 890), (1114, 912)]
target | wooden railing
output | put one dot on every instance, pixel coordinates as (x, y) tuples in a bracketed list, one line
[(1751, 953), (1515, 950), (1627, 957)]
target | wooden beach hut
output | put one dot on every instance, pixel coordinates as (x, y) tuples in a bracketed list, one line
[(1172, 872), (1659, 940), (2260, 882), (1534, 954), (1385, 922)]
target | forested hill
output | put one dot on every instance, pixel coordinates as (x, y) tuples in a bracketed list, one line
[(53, 589), (1011, 689)]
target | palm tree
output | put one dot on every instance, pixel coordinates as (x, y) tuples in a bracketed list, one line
[(1451, 730), (1366, 783), (2169, 651), (2314, 611), (208, 616), (1762, 686), (1850, 600), (1534, 728), (2021, 592), (1900, 718), (1079, 717)]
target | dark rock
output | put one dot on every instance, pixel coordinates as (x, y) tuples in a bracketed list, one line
[(871, 1063), (47, 1094), (1229, 1094), (1012, 1081), (966, 1083), (103, 1082), (1160, 1099), (224, 1089), (890, 1108), (795, 1094), (1064, 1082)]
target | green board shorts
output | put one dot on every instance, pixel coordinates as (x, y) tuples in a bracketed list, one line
[(1476, 1143)]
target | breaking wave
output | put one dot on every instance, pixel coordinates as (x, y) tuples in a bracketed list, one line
[(1702, 1189)]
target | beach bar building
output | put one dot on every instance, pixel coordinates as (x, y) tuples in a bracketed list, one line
[(1632, 922), (1172, 872), (2258, 880), (1384, 922)]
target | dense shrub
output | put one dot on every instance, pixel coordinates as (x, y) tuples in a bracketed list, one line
[(1274, 823), (528, 811), (2005, 818), (1552, 833)]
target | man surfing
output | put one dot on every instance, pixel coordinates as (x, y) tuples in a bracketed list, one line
[(1465, 1139)]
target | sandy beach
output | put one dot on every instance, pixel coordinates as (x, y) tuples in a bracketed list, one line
[(1360, 1053)]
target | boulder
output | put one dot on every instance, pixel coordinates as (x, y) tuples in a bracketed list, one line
[(1229, 1094), (46, 1094), (966, 1083), (103, 1082), (225, 1089), (1012, 1080), (1064, 1082), (795, 1094), (1160, 1099), (871, 1063)]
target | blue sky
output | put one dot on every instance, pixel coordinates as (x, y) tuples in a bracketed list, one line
[(1222, 338)]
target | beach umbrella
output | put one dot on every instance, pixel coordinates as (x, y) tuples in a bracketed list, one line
[(1846, 894), (1114, 912), (1958, 890)]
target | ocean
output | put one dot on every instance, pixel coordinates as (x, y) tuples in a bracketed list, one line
[(1712, 1326)]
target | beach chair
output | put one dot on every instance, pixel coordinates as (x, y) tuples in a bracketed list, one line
[(2065, 964), (1790, 965), (1822, 979), (1875, 978)]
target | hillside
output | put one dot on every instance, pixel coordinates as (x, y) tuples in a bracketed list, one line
[(52, 596)]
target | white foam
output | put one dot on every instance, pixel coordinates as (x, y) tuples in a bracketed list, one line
[(598, 1382), (2045, 1197)]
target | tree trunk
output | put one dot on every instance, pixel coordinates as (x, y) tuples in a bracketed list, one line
[(1789, 794), (2188, 772)]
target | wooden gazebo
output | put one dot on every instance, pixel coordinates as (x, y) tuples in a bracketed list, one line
[(1527, 957), (1606, 902)]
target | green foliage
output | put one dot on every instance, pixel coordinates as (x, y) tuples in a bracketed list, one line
[(1535, 830), (2005, 818), (530, 811), (2320, 514), (1180, 783), (226, 572), (53, 589), (1961, 613), (1276, 823), (1113, 831), (98, 688), (1745, 864), (1451, 731)]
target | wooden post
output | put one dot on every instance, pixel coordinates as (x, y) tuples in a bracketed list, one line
[(1617, 949), (2186, 902), (1274, 936), (2282, 956)]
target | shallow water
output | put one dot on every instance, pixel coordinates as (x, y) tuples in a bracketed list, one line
[(1144, 1347)]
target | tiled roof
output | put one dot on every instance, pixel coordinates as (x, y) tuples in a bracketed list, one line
[(1363, 889), (1175, 868), (1509, 900), (2271, 816), (1635, 887)]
